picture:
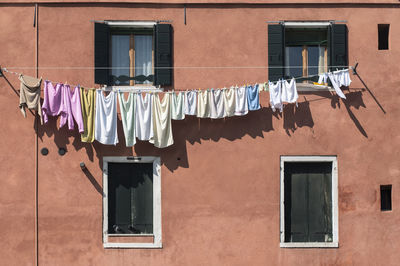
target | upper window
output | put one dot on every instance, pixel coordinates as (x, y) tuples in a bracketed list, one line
[(133, 53), (132, 202), (309, 212), (383, 36), (304, 49)]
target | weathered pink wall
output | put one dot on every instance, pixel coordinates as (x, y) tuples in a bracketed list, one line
[(220, 199)]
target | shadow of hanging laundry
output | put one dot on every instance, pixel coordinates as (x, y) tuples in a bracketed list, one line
[(295, 117)]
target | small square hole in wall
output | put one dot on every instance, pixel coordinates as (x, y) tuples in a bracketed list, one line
[(386, 197), (383, 36)]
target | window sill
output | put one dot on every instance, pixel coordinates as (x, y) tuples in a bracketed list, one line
[(135, 88), (132, 245), (310, 245), (312, 87)]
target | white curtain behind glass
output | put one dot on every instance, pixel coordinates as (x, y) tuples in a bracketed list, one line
[(120, 57), (143, 56)]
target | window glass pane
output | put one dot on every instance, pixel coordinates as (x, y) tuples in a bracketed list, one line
[(143, 56), (120, 59), (293, 61), (316, 59)]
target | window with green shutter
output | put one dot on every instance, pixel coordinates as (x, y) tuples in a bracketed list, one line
[(309, 201), (130, 54), (305, 49)]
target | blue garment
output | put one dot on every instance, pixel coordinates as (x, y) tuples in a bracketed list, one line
[(253, 98)]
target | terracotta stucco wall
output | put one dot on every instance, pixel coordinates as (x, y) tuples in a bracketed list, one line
[(220, 179)]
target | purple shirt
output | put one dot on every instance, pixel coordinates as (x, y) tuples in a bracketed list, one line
[(60, 100)]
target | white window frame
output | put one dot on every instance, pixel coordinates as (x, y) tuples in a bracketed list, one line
[(335, 211), (157, 234), (132, 25)]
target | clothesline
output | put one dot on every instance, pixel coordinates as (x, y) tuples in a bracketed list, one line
[(175, 67)]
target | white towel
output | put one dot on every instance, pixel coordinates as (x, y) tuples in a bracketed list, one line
[(343, 78), (191, 102), (203, 104), (105, 130), (275, 92), (217, 109), (144, 117), (289, 91), (177, 105), (229, 101), (241, 107), (162, 121), (127, 109), (336, 86)]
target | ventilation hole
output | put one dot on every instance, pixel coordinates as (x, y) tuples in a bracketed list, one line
[(386, 197), (44, 151), (383, 36)]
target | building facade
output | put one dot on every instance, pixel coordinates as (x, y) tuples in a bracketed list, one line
[(313, 185)]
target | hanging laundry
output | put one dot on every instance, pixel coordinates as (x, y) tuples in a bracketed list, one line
[(29, 95), (241, 107), (190, 102), (217, 109), (289, 91), (162, 121), (203, 104), (105, 130), (54, 103), (323, 78), (342, 77), (336, 86), (127, 109), (177, 106), (88, 101), (144, 117), (253, 97), (275, 92), (72, 104), (229, 101)]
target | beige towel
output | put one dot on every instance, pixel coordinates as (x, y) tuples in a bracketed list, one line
[(229, 101), (203, 104), (162, 127), (29, 95)]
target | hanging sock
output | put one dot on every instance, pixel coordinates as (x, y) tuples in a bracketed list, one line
[(253, 97), (29, 95), (336, 86), (127, 109), (162, 121), (54, 103), (144, 117), (177, 106), (216, 104), (190, 102), (88, 101), (72, 103), (289, 91), (106, 118), (241, 107), (229, 101), (203, 104), (323, 78), (275, 92)]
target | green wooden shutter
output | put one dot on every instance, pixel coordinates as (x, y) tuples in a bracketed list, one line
[(338, 45), (275, 51), (101, 50), (163, 54), (299, 222)]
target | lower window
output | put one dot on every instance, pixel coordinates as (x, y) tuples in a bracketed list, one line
[(132, 202), (309, 212)]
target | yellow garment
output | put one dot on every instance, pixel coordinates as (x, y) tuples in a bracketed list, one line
[(88, 111)]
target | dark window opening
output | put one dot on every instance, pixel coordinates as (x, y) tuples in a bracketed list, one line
[(308, 201), (386, 198), (383, 36), (130, 198)]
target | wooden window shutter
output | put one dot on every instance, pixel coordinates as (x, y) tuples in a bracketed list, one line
[(101, 50), (276, 45), (163, 54), (338, 45)]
